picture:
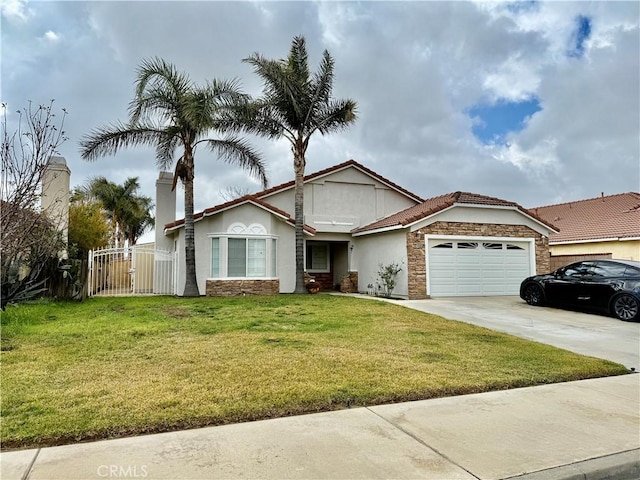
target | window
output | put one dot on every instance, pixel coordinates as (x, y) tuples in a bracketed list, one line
[(608, 269), (510, 246), (317, 258), (492, 246), (577, 270), (256, 257), (444, 245), (215, 257), (467, 245), (244, 252), (274, 258), (237, 266)]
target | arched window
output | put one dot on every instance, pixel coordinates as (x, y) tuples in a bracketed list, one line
[(244, 252)]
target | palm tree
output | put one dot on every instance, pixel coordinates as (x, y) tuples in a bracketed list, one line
[(171, 113), (130, 213), (295, 105)]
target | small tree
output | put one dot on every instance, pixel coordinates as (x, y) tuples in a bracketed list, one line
[(28, 235), (232, 192), (88, 228), (387, 275), (128, 212)]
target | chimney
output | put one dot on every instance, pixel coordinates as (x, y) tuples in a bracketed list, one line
[(165, 209), (602, 194), (56, 196)]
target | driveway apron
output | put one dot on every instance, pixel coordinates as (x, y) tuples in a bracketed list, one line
[(588, 334)]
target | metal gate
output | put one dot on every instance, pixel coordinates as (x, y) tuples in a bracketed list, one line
[(137, 270)]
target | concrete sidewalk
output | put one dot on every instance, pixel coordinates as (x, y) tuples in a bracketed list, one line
[(578, 430)]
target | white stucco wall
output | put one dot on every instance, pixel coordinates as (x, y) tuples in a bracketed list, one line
[(384, 248), (343, 200)]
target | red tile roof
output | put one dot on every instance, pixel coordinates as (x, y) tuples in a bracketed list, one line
[(604, 217), (335, 168), (437, 204), (237, 202)]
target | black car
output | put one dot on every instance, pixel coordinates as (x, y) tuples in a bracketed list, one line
[(611, 286)]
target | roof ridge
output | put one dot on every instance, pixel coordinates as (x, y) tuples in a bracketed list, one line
[(573, 202), (335, 168)]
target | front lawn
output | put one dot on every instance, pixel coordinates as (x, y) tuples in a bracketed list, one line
[(111, 367)]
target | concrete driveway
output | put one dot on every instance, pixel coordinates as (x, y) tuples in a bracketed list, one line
[(594, 335)]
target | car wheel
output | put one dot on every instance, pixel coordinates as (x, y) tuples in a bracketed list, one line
[(626, 307), (533, 295)]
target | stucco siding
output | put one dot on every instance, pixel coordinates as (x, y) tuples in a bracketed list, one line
[(343, 201), (372, 251), (628, 250)]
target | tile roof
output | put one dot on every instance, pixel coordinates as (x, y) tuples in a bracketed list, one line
[(437, 204), (604, 217), (235, 203), (335, 168)]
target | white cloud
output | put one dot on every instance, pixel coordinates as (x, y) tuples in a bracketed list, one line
[(51, 37), (515, 80), (15, 10)]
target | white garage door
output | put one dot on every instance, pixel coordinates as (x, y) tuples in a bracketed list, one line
[(468, 267)]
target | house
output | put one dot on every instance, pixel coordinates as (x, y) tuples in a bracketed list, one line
[(355, 221), (603, 227)]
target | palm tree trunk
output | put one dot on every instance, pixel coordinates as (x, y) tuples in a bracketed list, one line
[(191, 281), (298, 166)]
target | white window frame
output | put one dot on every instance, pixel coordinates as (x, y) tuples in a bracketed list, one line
[(240, 231)]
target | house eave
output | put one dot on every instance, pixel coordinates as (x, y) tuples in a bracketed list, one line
[(379, 230)]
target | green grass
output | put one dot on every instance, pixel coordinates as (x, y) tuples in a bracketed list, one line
[(111, 367)]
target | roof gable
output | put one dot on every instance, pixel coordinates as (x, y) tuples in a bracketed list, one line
[(336, 168), (438, 204), (605, 217), (247, 199)]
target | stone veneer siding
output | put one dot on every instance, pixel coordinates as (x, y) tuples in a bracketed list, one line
[(230, 288), (416, 259), (349, 283)]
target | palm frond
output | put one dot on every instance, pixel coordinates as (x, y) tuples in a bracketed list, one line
[(155, 104), (298, 59), (281, 89), (335, 116), (166, 146), (160, 77), (239, 152), (108, 140), (323, 80)]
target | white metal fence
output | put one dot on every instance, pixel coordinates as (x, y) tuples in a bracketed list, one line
[(137, 270)]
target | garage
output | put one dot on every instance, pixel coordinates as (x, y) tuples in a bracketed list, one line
[(477, 266)]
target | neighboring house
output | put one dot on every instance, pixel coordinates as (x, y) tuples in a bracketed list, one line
[(604, 227), (356, 221)]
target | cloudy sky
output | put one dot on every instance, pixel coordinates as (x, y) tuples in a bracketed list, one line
[(533, 102)]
